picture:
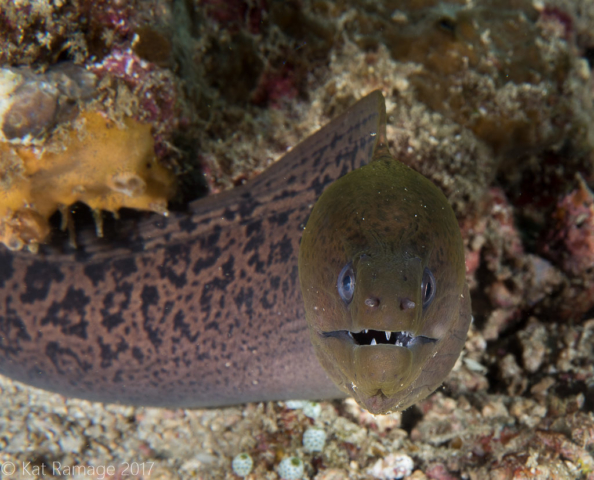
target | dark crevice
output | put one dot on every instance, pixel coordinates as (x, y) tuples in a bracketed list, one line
[(589, 56), (410, 418)]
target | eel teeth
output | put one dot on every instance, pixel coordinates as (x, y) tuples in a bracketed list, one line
[(369, 337), (381, 337)]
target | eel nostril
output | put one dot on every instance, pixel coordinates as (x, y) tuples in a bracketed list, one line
[(406, 304), (372, 302)]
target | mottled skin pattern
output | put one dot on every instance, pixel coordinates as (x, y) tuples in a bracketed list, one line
[(391, 225), (198, 309)]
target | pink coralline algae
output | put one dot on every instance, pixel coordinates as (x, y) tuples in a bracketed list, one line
[(502, 213), (276, 87), (569, 240), (236, 13), (153, 87), (554, 14), (154, 95), (498, 217)]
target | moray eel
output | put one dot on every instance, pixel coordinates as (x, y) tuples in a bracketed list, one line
[(382, 272), (204, 308)]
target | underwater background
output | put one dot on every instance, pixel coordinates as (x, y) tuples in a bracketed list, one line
[(491, 100)]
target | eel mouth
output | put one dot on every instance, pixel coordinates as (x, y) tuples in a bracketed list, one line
[(369, 337)]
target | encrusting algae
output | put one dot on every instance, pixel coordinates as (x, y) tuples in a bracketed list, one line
[(48, 166)]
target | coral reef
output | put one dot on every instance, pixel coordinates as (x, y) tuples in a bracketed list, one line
[(392, 467), (88, 159), (31, 105), (492, 68), (492, 100), (569, 240), (51, 151)]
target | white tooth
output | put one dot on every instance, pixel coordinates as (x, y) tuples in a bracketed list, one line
[(350, 334), (373, 342), (388, 335), (366, 330)]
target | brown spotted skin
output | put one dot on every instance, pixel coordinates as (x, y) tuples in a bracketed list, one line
[(202, 309)]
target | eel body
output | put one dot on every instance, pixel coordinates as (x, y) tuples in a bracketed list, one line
[(197, 309)]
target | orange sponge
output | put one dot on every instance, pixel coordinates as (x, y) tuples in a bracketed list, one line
[(95, 161)]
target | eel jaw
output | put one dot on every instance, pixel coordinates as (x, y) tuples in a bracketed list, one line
[(377, 374), (369, 337), (378, 404)]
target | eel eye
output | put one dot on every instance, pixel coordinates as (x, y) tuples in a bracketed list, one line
[(346, 283), (428, 287)]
